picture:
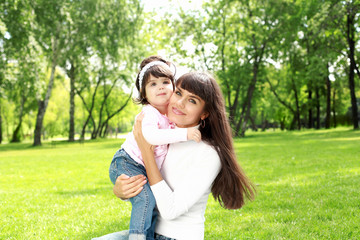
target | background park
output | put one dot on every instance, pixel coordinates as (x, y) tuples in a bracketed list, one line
[(289, 71)]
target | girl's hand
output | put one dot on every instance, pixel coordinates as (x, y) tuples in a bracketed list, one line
[(127, 187), (193, 134), (139, 137)]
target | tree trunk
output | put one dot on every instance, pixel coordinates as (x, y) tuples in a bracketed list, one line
[(82, 136), (309, 86), (233, 107), (311, 120), (96, 131), (72, 104), (247, 106), (297, 112), (333, 108), (317, 94), (39, 121), (351, 42), (16, 134), (328, 102), (110, 116), (253, 124), (282, 124), (263, 121), (42, 104)]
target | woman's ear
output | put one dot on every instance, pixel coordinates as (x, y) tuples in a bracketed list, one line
[(204, 115)]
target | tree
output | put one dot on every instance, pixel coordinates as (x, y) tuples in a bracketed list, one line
[(19, 59), (344, 17), (352, 9), (79, 22), (114, 42), (234, 39), (23, 89), (48, 31)]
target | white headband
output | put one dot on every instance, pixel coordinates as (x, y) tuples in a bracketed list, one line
[(149, 65)]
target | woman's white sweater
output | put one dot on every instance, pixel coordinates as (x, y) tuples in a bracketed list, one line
[(189, 171)]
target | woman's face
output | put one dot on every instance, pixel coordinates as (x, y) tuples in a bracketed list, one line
[(185, 108)]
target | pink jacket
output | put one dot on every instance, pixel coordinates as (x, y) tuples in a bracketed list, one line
[(157, 130)]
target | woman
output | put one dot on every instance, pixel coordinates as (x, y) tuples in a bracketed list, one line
[(191, 170)]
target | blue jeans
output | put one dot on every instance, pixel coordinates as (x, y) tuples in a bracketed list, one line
[(143, 216), (124, 235)]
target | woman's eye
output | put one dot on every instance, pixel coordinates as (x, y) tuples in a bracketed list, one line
[(192, 101), (177, 93)]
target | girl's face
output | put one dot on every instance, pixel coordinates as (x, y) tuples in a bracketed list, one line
[(158, 91), (186, 109)]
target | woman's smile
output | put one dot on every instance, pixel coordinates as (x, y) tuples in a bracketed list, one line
[(177, 111)]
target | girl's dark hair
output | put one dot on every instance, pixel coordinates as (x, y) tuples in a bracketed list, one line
[(156, 71), (231, 186)]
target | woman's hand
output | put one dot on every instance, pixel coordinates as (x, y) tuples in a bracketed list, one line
[(127, 187), (143, 145)]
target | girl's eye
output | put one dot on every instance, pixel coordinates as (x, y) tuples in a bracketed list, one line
[(153, 84), (166, 82), (177, 93)]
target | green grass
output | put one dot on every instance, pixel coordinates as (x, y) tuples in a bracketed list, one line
[(307, 182)]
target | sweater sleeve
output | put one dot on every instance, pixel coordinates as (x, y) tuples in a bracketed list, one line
[(195, 183), (157, 136)]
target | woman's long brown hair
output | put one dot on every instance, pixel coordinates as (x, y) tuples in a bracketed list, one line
[(231, 187)]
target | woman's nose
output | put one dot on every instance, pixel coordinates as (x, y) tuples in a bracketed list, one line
[(180, 103)]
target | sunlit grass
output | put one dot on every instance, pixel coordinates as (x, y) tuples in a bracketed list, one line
[(307, 183), (308, 187)]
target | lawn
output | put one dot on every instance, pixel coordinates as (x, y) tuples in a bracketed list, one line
[(307, 183)]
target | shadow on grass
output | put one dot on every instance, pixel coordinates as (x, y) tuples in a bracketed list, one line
[(15, 146), (331, 133), (102, 143), (85, 192), (97, 143)]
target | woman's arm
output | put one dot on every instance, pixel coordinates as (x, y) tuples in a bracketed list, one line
[(147, 152)]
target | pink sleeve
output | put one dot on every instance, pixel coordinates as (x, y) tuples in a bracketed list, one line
[(156, 136)]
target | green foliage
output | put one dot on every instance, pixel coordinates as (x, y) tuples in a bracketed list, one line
[(295, 46), (307, 188), (89, 40)]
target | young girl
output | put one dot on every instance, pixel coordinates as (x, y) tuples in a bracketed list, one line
[(155, 83)]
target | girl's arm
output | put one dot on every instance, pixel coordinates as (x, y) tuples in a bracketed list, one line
[(147, 152), (156, 136)]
